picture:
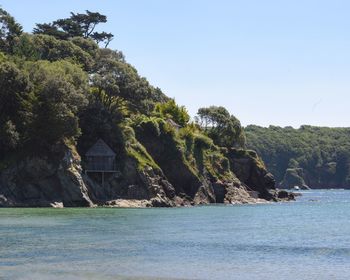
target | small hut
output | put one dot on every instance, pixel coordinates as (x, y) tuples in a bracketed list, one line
[(100, 158), (173, 124)]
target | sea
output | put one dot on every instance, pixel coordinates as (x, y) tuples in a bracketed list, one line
[(305, 239)]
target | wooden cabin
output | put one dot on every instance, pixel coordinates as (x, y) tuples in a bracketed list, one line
[(100, 158)]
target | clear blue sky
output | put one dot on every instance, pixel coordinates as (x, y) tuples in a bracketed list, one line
[(269, 62)]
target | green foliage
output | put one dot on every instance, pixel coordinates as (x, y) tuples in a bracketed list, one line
[(116, 106), (15, 108), (139, 153), (77, 25), (10, 30), (9, 137), (56, 107), (223, 128), (39, 71), (60, 94), (217, 165), (86, 44), (246, 154), (152, 125), (13, 94), (2, 57), (119, 79), (322, 152), (135, 150), (170, 110), (26, 49), (202, 142), (44, 47)]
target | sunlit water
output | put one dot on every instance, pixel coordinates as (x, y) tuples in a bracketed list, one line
[(307, 239)]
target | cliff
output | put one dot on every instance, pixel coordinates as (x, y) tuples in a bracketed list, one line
[(54, 179), (157, 168)]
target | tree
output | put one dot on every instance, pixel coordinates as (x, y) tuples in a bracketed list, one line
[(9, 31), (87, 22), (77, 25), (14, 93), (45, 47), (55, 112), (223, 128), (86, 44), (50, 29), (60, 89), (116, 78), (102, 37), (15, 106)]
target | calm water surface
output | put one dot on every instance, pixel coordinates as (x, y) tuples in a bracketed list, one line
[(307, 239)]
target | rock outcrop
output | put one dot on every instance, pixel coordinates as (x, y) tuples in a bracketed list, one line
[(45, 181), (323, 177), (294, 177), (251, 171), (155, 174)]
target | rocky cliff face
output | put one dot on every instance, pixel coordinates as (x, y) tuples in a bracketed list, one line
[(294, 177), (42, 181), (157, 173), (323, 177), (57, 180), (251, 171)]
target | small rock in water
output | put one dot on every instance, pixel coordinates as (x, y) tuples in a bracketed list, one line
[(57, 205)]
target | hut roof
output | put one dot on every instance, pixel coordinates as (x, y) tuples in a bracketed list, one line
[(173, 124), (100, 149)]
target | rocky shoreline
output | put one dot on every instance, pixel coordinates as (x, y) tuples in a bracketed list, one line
[(57, 180)]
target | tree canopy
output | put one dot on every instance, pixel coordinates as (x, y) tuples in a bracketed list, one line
[(224, 128), (59, 84), (323, 153), (77, 25), (9, 31)]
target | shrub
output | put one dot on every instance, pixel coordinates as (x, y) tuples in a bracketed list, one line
[(170, 110)]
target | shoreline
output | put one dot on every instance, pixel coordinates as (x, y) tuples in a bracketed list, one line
[(146, 204)]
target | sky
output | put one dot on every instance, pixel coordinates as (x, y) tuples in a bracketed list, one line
[(268, 62)]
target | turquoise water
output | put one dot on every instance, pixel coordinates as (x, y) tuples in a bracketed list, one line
[(307, 239)]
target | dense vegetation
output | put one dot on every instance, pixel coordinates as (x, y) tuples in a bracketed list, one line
[(58, 85), (320, 156), (224, 128)]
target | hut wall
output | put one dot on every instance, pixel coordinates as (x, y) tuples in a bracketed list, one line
[(100, 163)]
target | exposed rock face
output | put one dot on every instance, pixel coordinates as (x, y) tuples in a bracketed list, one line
[(57, 180), (294, 177), (52, 180), (251, 171), (234, 193), (323, 177), (147, 184)]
